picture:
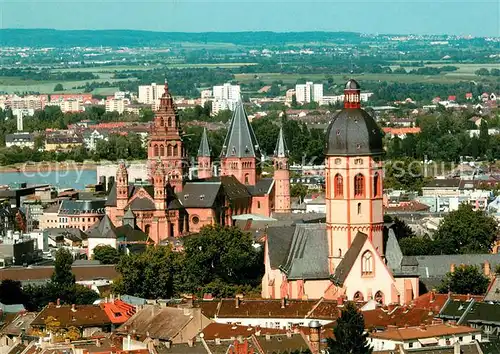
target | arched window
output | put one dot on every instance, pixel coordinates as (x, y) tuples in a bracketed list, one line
[(169, 121), (359, 185), (155, 150), (379, 297), (376, 185), (147, 228), (176, 150), (359, 208), (247, 177), (162, 150), (162, 122), (258, 204), (367, 263), (338, 186), (358, 297), (169, 150)]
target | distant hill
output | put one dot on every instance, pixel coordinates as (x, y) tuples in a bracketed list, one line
[(130, 38)]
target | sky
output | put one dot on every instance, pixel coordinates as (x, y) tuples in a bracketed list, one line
[(472, 17)]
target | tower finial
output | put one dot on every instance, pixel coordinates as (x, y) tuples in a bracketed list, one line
[(166, 85)]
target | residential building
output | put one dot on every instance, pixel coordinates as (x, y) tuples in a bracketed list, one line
[(87, 319), (117, 104), (62, 141), (150, 94), (309, 92), (81, 214), (166, 324), (21, 140), (225, 96), (437, 335)]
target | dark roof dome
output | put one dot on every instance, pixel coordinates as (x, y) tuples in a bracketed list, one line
[(352, 131), (352, 85)]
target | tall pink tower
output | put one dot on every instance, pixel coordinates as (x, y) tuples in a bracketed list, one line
[(281, 176), (353, 177)]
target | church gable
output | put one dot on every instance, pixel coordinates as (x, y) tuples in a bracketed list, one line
[(142, 200), (368, 276)]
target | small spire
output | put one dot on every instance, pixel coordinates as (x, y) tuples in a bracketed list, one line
[(281, 149), (166, 85), (204, 149)]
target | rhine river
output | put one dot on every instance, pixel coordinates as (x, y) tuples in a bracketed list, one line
[(59, 179)]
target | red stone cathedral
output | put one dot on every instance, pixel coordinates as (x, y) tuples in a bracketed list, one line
[(170, 205)]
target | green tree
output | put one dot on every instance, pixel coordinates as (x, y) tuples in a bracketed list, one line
[(58, 87), (152, 274), (349, 332), (11, 292), (466, 231), (63, 276), (298, 190), (484, 137), (106, 254), (417, 246), (224, 254), (466, 279), (482, 72)]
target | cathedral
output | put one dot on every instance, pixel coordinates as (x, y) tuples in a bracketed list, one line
[(169, 205), (346, 258)]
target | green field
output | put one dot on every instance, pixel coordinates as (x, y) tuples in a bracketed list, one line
[(15, 84), (112, 69)]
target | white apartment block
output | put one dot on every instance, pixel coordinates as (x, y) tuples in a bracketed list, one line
[(220, 105), (364, 97), (30, 102), (70, 105), (309, 92), (150, 94), (117, 105), (227, 92), (225, 97)]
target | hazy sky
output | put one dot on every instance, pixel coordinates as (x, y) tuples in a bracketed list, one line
[(476, 17)]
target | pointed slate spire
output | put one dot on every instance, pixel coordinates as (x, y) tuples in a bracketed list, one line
[(204, 149), (129, 218), (281, 149), (240, 139)]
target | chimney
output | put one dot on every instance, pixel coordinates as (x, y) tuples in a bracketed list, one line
[(237, 301), (217, 341), (190, 343), (433, 295), (314, 336), (452, 267), (487, 268), (456, 347), (289, 333), (257, 330), (97, 343), (73, 308), (296, 328), (283, 302), (58, 303), (168, 344)]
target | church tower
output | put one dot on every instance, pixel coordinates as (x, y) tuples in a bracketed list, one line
[(204, 159), (159, 186), (121, 186), (281, 176), (240, 152), (353, 177), (165, 143)]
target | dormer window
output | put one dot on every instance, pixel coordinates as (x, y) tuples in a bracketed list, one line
[(233, 151), (202, 196)]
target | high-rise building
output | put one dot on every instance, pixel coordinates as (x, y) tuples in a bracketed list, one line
[(117, 105), (309, 92), (225, 97), (150, 94)]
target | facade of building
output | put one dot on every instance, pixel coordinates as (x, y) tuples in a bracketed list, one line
[(309, 92), (20, 139), (343, 258), (150, 94), (117, 104), (169, 205), (225, 97)]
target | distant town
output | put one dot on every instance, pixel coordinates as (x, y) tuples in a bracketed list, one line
[(243, 196)]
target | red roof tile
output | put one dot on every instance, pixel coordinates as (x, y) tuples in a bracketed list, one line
[(435, 302), (118, 311), (230, 331), (80, 316), (420, 332)]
